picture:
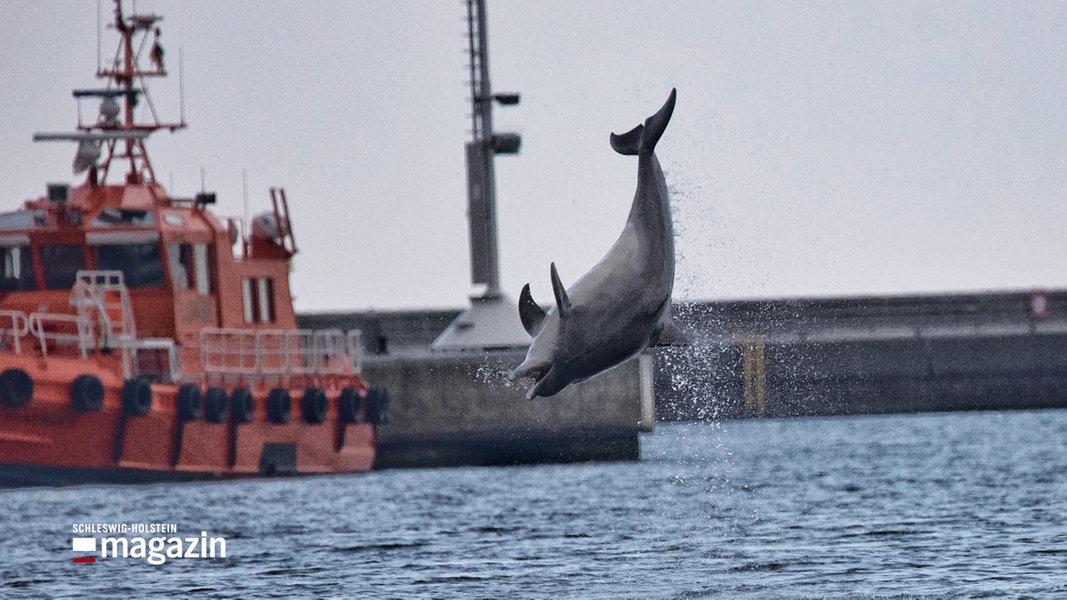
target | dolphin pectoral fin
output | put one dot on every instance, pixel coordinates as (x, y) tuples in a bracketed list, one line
[(657, 123), (669, 333), (562, 301), (627, 143), (530, 313)]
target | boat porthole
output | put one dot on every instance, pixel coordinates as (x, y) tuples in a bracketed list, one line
[(137, 397), (242, 405), (313, 406), (279, 405), (16, 387), (188, 401), (348, 405), (215, 405), (86, 393)]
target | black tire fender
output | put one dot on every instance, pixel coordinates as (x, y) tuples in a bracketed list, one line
[(137, 397), (86, 393), (214, 404), (377, 406), (187, 400), (279, 406), (348, 405), (313, 406), (242, 405), (16, 388)]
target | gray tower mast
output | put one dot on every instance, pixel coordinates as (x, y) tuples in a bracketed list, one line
[(492, 320), (484, 145)]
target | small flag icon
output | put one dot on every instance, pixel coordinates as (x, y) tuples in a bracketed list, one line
[(83, 545)]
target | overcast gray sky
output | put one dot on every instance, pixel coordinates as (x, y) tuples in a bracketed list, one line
[(817, 148)]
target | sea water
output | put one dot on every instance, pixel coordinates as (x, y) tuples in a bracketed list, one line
[(965, 505)]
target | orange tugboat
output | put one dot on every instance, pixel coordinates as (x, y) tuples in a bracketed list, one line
[(142, 338)]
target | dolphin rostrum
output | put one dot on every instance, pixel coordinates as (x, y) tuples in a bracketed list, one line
[(622, 305)]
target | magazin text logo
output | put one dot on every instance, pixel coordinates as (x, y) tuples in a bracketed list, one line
[(164, 544)]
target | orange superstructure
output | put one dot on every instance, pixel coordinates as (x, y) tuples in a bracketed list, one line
[(144, 338)]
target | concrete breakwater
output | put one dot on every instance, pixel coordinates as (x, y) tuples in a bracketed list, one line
[(994, 350), (817, 356), (456, 409)]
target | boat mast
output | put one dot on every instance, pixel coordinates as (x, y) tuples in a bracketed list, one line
[(122, 136), (135, 32)]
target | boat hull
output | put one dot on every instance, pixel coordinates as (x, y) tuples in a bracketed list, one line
[(50, 441)]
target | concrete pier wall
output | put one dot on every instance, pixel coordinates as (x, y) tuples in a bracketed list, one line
[(458, 409)]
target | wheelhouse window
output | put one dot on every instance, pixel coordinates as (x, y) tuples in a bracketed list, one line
[(16, 269), (136, 253), (258, 293), (118, 217), (202, 268), (190, 267), (61, 263), (180, 261), (140, 263)]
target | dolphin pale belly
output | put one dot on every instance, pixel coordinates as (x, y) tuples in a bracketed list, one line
[(623, 304)]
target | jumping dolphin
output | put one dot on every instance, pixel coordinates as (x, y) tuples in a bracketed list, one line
[(622, 305)]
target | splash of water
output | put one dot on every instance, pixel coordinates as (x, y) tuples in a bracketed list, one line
[(493, 371)]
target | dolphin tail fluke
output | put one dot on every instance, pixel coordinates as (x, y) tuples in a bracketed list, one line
[(562, 301), (644, 137), (657, 123), (530, 313), (629, 143)]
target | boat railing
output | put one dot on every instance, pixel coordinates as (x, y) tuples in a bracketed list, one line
[(145, 357), (154, 358), (277, 353), (13, 326), (59, 329), (329, 352)]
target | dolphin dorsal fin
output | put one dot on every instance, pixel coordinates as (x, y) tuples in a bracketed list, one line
[(627, 143), (562, 301), (530, 313)]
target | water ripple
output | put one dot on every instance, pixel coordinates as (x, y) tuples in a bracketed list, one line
[(921, 506)]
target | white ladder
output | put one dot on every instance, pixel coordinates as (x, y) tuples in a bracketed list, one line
[(105, 294)]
